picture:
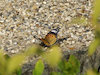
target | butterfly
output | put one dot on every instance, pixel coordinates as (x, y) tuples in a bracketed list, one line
[(51, 38)]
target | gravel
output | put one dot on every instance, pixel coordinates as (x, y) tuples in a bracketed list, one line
[(21, 21)]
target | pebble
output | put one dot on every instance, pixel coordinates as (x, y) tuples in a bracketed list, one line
[(15, 43), (33, 40), (13, 51), (73, 42)]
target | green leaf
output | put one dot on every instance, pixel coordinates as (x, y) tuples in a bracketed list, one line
[(31, 50), (15, 62), (93, 46), (34, 49), (96, 13), (2, 59), (91, 72), (53, 56), (72, 67), (7, 57), (2, 63), (61, 65), (39, 67), (19, 71)]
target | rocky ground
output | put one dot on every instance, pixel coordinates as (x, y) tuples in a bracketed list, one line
[(21, 21)]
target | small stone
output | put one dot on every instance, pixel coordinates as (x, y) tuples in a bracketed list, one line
[(33, 41), (12, 51), (80, 38), (44, 2), (15, 43), (73, 42), (80, 30), (72, 35), (88, 43)]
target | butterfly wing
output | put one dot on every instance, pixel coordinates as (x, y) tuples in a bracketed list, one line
[(51, 39), (45, 42)]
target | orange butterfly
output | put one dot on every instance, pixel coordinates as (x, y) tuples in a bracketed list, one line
[(50, 38)]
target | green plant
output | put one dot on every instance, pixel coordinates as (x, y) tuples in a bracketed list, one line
[(72, 67), (52, 56), (12, 65), (39, 67), (96, 41), (96, 23)]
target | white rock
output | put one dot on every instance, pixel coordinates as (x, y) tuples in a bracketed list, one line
[(1, 33), (12, 51), (33, 41), (15, 43), (73, 42), (80, 30), (44, 2)]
